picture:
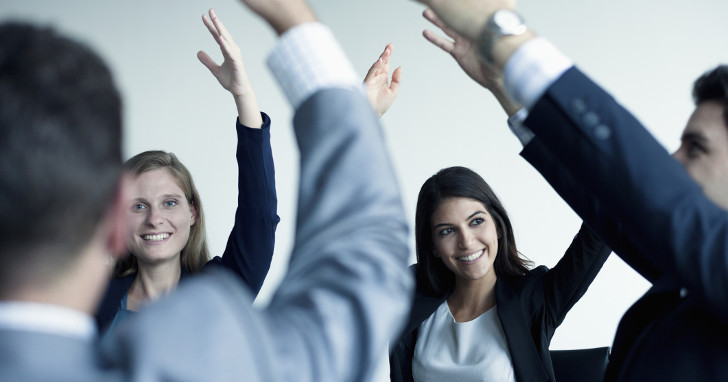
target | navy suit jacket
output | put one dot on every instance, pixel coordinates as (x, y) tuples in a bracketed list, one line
[(249, 247), (641, 201)]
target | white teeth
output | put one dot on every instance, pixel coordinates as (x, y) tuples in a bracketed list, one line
[(157, 237), (471, 257)]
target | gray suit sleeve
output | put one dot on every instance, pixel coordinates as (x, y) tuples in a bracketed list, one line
[(347, 289)]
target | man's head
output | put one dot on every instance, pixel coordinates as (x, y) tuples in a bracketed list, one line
[(60, 154), (704, 148)]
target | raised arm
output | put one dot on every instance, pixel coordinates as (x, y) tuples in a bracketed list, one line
[(380, 91), (250, 245), (568, 280)]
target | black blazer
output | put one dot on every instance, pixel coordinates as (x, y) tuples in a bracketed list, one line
[(530, 308), (249, 247), (626, 186)]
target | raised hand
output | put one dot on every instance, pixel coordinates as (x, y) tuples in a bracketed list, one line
[(380, 92), (465, 52), (231, 73), (462, 50)]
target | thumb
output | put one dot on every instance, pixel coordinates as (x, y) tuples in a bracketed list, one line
[(206, 60)]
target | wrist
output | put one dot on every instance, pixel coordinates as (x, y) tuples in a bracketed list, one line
[(282, 23), (501, 35)]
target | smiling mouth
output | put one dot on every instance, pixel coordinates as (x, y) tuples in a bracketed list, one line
[(157, 237), (472, 257)]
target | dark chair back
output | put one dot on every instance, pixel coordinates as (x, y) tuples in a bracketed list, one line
[(580, 365)]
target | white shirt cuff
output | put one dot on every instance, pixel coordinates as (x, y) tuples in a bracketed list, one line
[(307, 59), (515, 122), (532, 69)]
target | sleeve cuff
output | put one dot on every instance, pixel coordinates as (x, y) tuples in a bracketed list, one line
[(307, 59), (532, 69)]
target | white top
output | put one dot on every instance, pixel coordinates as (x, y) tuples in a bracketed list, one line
[(46, 318), (462, 351), (307, 58)]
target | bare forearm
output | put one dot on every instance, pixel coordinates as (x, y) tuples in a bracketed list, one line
[(248, 110)]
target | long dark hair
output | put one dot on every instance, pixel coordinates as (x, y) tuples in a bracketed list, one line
[(452, 182)]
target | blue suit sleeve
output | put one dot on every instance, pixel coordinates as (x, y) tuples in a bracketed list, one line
[(664, 215), (591, 210), (249, 248)]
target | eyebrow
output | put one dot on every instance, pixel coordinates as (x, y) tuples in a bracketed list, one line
[(165, 196), (468, 218), (693, 135)]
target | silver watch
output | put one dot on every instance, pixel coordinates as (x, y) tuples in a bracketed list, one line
[(503, 22)]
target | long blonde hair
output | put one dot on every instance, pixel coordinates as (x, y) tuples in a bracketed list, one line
[(195, 254)]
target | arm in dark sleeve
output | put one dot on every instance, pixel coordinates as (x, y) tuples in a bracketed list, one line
[(250, 246), (568, 280), (664, 213), (588, 207)]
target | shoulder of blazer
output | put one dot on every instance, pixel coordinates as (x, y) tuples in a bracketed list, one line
[(118, 286), (423, 305)]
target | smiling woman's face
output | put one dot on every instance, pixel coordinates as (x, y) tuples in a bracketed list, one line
[(465, 238), (159, 217)]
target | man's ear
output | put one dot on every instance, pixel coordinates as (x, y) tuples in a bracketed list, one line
[(116, 218)]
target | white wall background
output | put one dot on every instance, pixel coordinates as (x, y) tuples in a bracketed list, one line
[(647, 53)]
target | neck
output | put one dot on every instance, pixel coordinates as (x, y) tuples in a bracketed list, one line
[(471, 298), (153, 281), (78, 285)]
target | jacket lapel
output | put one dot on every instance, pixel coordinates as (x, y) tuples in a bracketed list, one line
[(518, 334)]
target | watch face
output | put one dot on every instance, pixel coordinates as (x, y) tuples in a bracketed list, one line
[(509, 22)]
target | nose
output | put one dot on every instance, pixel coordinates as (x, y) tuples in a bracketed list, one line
[(679, 155), (154, 217), (465, 238)]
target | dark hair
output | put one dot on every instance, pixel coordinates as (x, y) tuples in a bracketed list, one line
[(713, 86), (195, 254), (60, 150), (453, 182)]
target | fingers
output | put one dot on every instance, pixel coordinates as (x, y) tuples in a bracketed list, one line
[(385, 58), (210, 27), (373, 70), (431, 16), (220, 26), (439, 41), (396, 81)]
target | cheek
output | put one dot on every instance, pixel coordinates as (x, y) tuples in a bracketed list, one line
[(133, 222)]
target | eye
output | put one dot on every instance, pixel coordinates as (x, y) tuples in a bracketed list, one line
[(138, 206), (694, 148), (170, 203), (445, 232), (477, 221)]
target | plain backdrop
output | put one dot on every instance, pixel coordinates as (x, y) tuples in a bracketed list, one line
[(645, 52)]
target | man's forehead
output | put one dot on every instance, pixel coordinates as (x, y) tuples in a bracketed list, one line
[(707, 122)]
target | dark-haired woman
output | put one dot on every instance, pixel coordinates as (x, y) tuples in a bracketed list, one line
[(480, 313)]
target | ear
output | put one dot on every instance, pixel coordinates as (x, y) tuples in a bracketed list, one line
[(116, 218), (193, 214), (434, 253)]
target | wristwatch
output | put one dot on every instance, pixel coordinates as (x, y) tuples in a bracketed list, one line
[(503, 22)]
